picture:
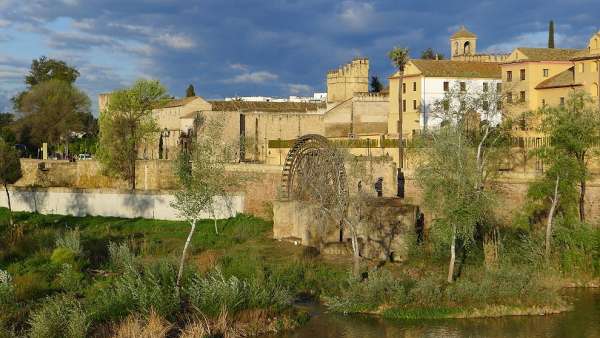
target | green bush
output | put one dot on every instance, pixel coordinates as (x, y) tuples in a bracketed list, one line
[(69, 279), (361, 296), (121, 257), (70, 240), (214, 292), (31, 285), (63, 255), (143, 289), (59, 316), (7, 289), (428, 291), (578, 247)]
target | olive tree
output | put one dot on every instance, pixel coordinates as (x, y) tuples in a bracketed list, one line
[(125, 124), (462, 152), (205, 187), (10, 170), (573, 130)]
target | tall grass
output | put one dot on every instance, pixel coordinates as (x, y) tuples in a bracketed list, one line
[(57, 317)]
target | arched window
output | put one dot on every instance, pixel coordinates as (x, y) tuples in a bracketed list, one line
[(595, 43), (595, 90), (456, 48), (467, 48)]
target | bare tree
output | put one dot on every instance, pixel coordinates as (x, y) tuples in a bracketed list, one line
[(204, 185)]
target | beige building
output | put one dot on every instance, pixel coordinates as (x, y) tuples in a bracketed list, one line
[(427, 81), (351, 78), (463, 47)]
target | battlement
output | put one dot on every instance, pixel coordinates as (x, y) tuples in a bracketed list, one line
[(348, 79), (368, 96)]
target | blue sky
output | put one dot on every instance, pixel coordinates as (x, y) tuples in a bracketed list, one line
[(259, 47)]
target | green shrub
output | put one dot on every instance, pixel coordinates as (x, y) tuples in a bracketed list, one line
[(69, 279), (121, 257), (428, 291), (70, 240), (214, 292), (63, 255), (578, 247), (143, 289), (378, 289), (31, 285), (59, 316), (7, 289)]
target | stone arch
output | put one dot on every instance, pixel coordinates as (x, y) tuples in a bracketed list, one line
[(303, 148), (467, 48)]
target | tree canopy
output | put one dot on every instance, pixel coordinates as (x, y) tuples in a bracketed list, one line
[(52, 109), (376, 85), (126, 124), (190, 91), (430, 54)]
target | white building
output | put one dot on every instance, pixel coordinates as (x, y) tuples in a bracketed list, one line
[(427, 82)]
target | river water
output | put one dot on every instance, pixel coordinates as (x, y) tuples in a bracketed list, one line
[(583, 321)]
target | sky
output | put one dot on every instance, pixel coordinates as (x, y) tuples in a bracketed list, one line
[(260, 47)]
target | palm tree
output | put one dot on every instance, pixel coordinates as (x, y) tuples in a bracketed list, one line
[(399, 57)]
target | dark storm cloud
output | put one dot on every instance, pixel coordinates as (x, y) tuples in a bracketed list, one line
[(286, 46)]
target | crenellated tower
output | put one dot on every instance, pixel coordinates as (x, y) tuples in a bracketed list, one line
[(351, 78)]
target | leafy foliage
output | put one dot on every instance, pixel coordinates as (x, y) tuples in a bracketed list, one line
[(399, 57), (59, 316), (126, 124)]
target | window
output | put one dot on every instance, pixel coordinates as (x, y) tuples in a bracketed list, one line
[(509, 76), (403, 105), (522, 96), (562, 101), (546, 72), (463, 86), (404, 88), (414, 86), (499, 87), (581, 67), (499, 104), (485, 87), (522, 74), (446, 86), (543, 102), (486, 106), (509, 98), (415, 104), (597, 64)]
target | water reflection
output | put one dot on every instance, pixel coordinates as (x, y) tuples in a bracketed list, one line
[(584, 321)]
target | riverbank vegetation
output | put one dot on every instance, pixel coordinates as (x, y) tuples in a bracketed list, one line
[(65, 276)]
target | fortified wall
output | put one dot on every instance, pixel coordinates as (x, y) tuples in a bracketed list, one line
[(261, 182), (351, 78)]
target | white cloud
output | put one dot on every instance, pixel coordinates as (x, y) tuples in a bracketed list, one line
[(253, 77), (356, 15), (239, 66), (299, 89), (175, 41)]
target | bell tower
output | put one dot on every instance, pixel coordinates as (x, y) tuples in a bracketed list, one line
[(463, 44)]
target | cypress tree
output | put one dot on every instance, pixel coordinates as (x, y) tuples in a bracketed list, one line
[(551, 34), (189, 92)]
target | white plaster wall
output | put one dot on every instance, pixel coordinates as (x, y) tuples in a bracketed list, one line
[(110, 203), (433, 90)]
